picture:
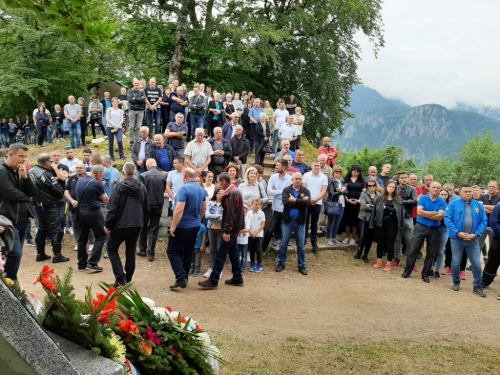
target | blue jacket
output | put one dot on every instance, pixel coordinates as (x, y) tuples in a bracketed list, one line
[(454, 217), (495, 221)]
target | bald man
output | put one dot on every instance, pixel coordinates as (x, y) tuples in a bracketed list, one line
[(330, 152)]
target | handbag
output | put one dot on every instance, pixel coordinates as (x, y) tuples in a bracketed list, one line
[(332, 208), (265, 148)]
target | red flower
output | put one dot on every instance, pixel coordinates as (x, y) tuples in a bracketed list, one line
[(169, 309), (108, 309), (128, 326), (199, 329), (177, 353), (151, 336), (46, 279)]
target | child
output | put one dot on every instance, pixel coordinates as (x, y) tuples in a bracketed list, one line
[(257, 224), (20, 137), (199, 247), (243, 241)]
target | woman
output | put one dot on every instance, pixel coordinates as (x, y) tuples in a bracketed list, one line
[(245, 119), (95, 113), (232, 170), (262, 136), (83, 120), (260, 178), (42, 123), (336, 190), (214, 216), (13, 132), (238, 104), (387, 218), (367, 201), (214, 114), (123, 105), (209, 185), (354, 182), (28, 128), (114, 128), (229, 107), (251, 188), (444, 239), (57, 118)]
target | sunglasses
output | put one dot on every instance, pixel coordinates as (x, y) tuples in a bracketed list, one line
[(371, 186)]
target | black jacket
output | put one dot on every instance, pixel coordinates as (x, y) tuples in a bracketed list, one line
[(15, 193), (377, 217), (226, 147), (171, 156), (149, 151), (136, 100), (409, 199), (259, 132), (156, 183), (201, 105), (241, 148), (233, 217), (49, 190), (301, 203), (220, 120), (333, 194), (128, 205)]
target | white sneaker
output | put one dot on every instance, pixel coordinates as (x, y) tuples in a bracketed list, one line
[(70, 230), (352, 242), (329, 242), (76, 247), (346, 241), (91, 247), (208, 273)]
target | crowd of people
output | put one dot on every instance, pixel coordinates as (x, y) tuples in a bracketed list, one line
[(217, 196)]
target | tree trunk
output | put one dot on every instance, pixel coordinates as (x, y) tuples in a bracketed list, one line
[(177, 61)]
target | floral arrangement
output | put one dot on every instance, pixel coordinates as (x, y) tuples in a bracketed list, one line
[(131, 330)]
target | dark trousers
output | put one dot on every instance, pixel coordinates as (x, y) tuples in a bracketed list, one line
[(99, 123), (386, 235), (165, 117), (48, 221), (491, 268), (275, 227), (40, 134), (116, 237), (420, 234), (312, 216), (251, 133), (151, 226), (227, 248), (62, 218), (180, 251), (366, 238), (255, 247), (90, 220), (83, 127), (448, 257), (211, 125), (216, 169), (13, 260)]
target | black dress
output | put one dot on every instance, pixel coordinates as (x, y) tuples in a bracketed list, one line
[(351, 212)]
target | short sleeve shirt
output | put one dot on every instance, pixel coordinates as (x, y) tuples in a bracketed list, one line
[(315, 184), (428, 205), (89, 197), (107, 178), (176, 179), (62, 167), (288, 132), (153, 95), (199, 154), (243, 237), (281, 116), (193, 195), (115, 175), (176, 142), (72, 110), (291, 110), (199, 238), (256, 220)]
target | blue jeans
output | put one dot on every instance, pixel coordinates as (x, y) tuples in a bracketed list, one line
[(14, 257), (276, 140), (4, 140), (442, 246), (298, 142), (227, 248), (243, 250), (197, 121), (333, 224), (74, 128), (473, 252), (286, 235), (139, 172), (27, 134), (180, 251), (149, 121), (111, 140), (49, 132)]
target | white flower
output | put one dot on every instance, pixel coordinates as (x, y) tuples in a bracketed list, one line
[(161, 312), (148, 301), (85, 317), (174, 315), (205, 338)]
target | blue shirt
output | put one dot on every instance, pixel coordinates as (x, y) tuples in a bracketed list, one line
[(176, 179), (115, 175), (294, 212), (275, 187), (193, 195), (107, 178), (255, 114), (108, 103), (428, 205), (199, 239), (163, 158), (89, 196), (290, 152), (302, 167)]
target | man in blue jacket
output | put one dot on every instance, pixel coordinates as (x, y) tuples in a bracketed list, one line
[(466, 220)]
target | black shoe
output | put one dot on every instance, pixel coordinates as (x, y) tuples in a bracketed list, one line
[(59, 258), (431, 275), (315, 247), (179, 284), (437, 276), (479, 291), (42, 257), (94, 268), (419, 256), (456, 286), (426, 278), (406, 274), (118, 284), (365, 259), (469, 268), (358, 255), (207, 284), (141, 253), (303, 271), (280, 268), (233, 282)]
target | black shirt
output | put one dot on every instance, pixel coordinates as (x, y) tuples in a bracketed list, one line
[(489, 201), (62, 167), (153, 95), (385, 179), (89, 196), (71, 187)]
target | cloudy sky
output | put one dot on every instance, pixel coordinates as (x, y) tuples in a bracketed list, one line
[(437, 51)]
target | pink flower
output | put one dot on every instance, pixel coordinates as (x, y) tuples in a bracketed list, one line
[(151, 336)]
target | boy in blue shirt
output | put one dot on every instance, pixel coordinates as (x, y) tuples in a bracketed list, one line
[(199, 247)]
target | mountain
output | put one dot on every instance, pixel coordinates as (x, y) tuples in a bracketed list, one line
[(425, 131), (492, 112)]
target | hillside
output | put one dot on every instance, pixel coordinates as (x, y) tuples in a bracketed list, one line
[(425, 131)]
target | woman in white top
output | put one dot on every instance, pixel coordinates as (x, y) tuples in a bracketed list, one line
[(209, 184), (114, 124), (298, 124)]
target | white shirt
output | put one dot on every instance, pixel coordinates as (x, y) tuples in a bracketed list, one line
[(299, 127), (142, 150), (275, 187), (256, 220), (243, 237), (281, 116), (71, 164), (315, 183), (199, 154), (288, 131)]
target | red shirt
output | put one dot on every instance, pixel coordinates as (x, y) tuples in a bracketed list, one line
[(329, 150), (419, 192)]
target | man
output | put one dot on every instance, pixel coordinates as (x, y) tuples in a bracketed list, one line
[(325, 169), (317, 184), (298, 123), (491, 267), (277, 183), (46, 201), (127, 208), (163, 155), (229, 128), (288, 132), (254, 115), (384, 175), (176, 133), (280, 116), (408, 195), (428, 179), (153, 106), (155, 182), (72, 113), (240, 146), (198, 154), (142, 150), (222, 152), (15, 203), (233, 221), (106, 103), (489, 201), (466, 221), (61, 173), (87, 154), (197, 107), (330, 152), (303, 168), (291, 105), (285, 150), (431, 208), (137, 104), (114, 173), (70, 195), (90, 197), (106, 180), (189, 209), (175, 178), (413, 182), (475, 192), (372, 175), (451, 191), (178, 103), (290, 170), (70, 161), (296, 200)]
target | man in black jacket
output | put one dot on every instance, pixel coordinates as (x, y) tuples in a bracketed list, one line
[(296, 200), (241, 147), (156, 183), (128, 206), (222, 152), (46, 203), (15, 192), (142, 150)]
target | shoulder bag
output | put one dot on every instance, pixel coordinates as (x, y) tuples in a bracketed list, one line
[(332, 208)]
